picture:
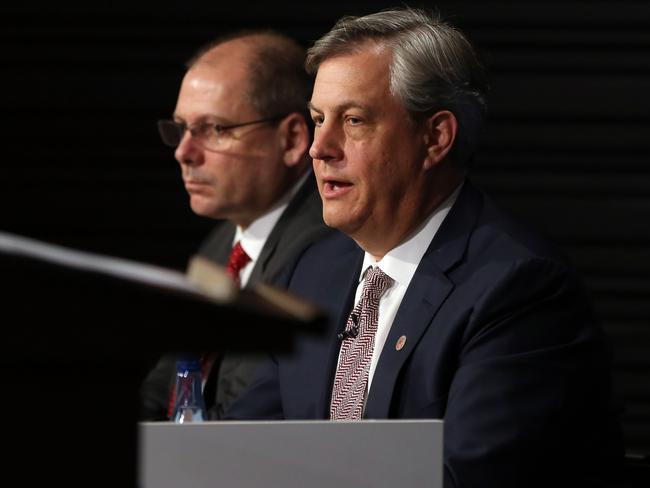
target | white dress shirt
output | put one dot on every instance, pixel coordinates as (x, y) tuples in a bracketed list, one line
[(400, 264), (255, 235)]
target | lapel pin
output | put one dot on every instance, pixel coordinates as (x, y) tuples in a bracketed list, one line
[(400, 343)]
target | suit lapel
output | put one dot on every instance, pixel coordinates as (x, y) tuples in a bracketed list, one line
[(321, 356), (334, 344), (218, 245), (427, 291), (270, 246)]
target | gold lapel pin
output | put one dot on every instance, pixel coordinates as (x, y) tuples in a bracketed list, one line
[(400, 343)]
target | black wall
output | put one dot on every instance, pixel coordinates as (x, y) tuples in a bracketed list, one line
[(566, 147)]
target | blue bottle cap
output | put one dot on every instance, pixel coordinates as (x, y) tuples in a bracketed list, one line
[(191, 365)]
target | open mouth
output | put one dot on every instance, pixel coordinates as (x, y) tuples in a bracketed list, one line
[(333, 188)]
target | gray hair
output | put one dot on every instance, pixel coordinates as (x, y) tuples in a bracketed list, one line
[(278, 83), (434, 67)]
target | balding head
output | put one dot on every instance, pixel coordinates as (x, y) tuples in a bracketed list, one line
[(271, 63)]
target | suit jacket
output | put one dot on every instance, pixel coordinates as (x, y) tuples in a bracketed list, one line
[(500, 342), (300, 224)]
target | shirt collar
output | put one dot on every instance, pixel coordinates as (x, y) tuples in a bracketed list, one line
[(254, 237), (401, 262)]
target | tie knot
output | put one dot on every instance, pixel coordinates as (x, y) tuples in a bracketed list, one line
[(376, 282), (238, 259)]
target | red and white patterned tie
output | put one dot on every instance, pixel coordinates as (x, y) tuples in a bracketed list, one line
[(238, 259), (348, 394)]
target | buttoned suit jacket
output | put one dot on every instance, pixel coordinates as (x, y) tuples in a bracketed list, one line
[(500, 343), (300, 224)]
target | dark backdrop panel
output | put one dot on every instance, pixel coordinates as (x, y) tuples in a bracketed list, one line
[(566, 147)]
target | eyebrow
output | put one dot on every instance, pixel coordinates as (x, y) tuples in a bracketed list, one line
[(201, 119), (341, 107), (310, 106)]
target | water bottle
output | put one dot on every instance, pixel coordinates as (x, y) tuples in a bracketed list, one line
[(189, 405)]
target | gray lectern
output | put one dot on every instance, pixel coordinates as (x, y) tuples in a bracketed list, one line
[(292, 454)]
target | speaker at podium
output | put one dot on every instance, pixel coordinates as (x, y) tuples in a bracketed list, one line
[(81, 330)]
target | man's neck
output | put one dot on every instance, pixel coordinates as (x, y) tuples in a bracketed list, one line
[(282, 201), (379, 245)]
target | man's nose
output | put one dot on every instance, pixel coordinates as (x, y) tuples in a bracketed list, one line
[(188, 151), (327, 143)]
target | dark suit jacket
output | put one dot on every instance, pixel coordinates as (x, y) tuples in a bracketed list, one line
[(300, 225), (500, 342)]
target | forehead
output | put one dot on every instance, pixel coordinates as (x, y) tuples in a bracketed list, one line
[(358, 78), (213, 89)]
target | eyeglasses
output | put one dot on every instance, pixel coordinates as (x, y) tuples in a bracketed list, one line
[(207, 135)]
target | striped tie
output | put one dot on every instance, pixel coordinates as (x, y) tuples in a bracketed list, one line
[(348, 394)]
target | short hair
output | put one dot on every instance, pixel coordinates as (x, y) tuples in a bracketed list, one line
[(278, 83), (433, 67)]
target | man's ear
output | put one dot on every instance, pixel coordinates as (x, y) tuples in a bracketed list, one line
[(295, 138), (439, 136)]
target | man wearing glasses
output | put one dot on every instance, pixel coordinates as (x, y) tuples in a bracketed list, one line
[(241, 137)]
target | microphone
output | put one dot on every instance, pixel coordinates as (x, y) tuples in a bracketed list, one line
[(352, 332)]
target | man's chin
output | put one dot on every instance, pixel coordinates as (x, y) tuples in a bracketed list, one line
[(339, 221), (202, 208)]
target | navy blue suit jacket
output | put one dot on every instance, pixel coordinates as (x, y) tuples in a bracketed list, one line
[(500, 343)]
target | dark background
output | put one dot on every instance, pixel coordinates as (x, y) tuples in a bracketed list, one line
[(566, 147)]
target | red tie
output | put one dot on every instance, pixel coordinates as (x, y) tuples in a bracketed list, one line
[(238, 259)]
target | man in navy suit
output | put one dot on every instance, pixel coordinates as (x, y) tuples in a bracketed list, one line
[(476, 320)]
